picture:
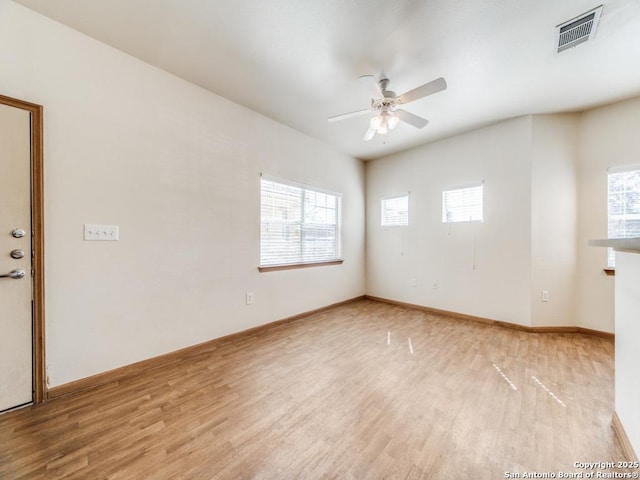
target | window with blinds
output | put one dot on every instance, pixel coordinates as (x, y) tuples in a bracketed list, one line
[(394, 211), (462, 204), (298, 224), (623, 205)]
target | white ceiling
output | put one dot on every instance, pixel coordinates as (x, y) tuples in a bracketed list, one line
[(298, 61)]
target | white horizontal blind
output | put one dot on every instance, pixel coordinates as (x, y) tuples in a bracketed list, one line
[(462, 204), (298, 224), (394, 211), (623, 205)]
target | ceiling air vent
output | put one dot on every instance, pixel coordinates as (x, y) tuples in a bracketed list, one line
[(578, 30)]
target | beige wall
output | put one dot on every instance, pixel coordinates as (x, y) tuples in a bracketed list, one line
[(482, 269), (177, 168), (627, 305), (553, 219), (555, 191), (608, 138)]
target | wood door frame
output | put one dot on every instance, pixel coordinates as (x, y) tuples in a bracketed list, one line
[(37, 229)]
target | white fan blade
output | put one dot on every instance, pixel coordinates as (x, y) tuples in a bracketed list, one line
[(411, 118), (343, 116), (370, 133), (374, 85), (422, 91)]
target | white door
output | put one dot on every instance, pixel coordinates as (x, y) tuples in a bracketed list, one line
[(16, 344)]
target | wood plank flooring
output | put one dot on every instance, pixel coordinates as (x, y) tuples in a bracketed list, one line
[(363, 391)]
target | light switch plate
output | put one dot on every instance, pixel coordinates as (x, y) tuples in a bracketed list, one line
[(106, 233)]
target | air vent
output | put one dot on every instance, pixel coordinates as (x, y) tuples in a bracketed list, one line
[(578, 30)]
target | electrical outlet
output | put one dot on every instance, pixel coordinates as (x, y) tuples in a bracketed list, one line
[(249, 298), (545, 295), (434, 285), (413, 282)]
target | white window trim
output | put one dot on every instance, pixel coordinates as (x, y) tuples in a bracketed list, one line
[(305, 186), (623, 169)]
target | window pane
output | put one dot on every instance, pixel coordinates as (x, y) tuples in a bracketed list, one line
[(298, 224), (623, 206), (394, 211), (462, 204)]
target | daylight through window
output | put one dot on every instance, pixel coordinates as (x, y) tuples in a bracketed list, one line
[(623, 205), (394, 211), (298, 224), (462, 204)]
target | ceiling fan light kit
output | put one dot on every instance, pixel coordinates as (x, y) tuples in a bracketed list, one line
[(384, 122), (386, 104)]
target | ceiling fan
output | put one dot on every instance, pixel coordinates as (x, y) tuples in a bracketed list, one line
[(386, 105)]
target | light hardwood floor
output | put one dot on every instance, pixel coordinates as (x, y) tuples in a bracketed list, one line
[(363, 391)]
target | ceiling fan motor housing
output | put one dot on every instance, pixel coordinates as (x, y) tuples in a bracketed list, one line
[(387, 104)]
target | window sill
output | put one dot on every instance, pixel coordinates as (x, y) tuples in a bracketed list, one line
[(292, 266), (610, 271)]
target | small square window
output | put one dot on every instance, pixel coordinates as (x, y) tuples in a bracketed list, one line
[(394, 211), (462, 204)]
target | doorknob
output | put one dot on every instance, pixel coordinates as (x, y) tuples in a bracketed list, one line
[(15, 274)]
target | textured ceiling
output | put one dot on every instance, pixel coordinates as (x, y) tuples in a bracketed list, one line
[(298, 61)]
